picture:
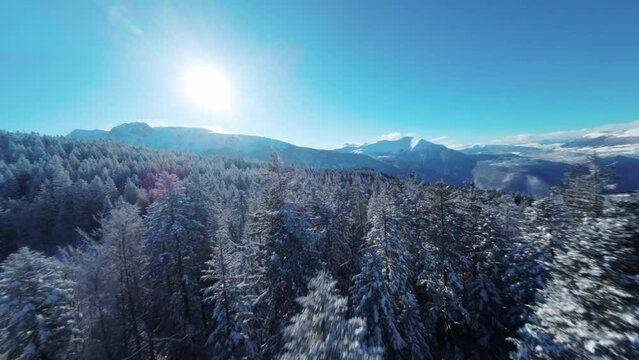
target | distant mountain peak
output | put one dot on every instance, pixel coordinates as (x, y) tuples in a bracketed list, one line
[(133, 126), (139, 129), (505, 167), (414, 141), (388, 146)]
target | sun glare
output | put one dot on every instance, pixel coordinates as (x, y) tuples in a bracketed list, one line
[(208, 88)]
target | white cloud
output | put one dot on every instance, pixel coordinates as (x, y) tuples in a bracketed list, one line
[(439, 139), (620, 129), (390, 136)]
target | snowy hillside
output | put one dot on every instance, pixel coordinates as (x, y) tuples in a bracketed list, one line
[(570, 146), (530, 169), (147, 254), (203, 141)]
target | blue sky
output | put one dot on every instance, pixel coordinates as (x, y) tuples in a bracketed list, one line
[(322, 73)]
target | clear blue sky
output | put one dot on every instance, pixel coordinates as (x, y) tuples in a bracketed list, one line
[(321, 73)]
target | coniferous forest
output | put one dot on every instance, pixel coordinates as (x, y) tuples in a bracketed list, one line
[(117, 252)]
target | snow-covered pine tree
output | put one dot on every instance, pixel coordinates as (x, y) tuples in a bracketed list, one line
[(331, 224), (233, 335), (372, 301), (203, 207), (481, 249), (36, 317), (131, 192), (392, 213), (95, 305), (509, 210), (582, 188), (590, 308), (544, 232), (174, 239), (410, 198), (322, 331), (123, 243), (398, 326), (285, 259), (358, 196), (546, 227), (440, 279)]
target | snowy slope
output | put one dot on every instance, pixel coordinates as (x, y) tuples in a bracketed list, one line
[(520, 168), (203, 141), (427, 160)]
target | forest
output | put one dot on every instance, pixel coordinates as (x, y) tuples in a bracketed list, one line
[(117, 252)]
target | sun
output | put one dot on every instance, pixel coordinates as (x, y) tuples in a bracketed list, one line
[(208, 88)]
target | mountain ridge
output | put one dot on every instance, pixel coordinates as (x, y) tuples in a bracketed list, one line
[(503, 167)]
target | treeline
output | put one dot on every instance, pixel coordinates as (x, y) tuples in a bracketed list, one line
[(51, 186), (198, 257)]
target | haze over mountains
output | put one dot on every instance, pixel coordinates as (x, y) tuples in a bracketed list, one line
[(530, 167)]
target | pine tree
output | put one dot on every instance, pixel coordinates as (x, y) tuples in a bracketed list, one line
[(441, 277), (285, 259), (543, 232), (331, 224), (410, 195), (390, 243), (481, 248), (589, 309), (87, 266), (174, 241), (130, 192), (122, 238), (36, 316), (321, 329), (582, 189), (233, 336), (371, 296)]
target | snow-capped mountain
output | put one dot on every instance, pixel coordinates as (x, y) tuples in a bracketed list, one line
[(520, 168), (500, 149), (427, 160), (608, 140), (384, 147), (605, 145), (203, 141)]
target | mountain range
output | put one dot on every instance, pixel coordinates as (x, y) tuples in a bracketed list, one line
[(531, 168)]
